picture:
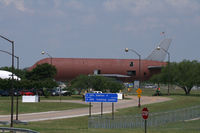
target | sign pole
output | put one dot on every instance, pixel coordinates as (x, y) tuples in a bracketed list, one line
[(101, 97), (139, 91), (139, 103), (101, 108), (145, 115), (90, 109), (113, 111), (145, 124)]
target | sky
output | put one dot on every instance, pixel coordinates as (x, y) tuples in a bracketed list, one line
[(98, 28)]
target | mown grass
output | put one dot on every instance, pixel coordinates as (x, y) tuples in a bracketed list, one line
[(164, 92), (38, 107), (5, 103), (73, 97), (177, 103), (80, 124)]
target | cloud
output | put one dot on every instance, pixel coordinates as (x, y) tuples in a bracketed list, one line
[(74, 4), (134, 7), (18, 4), (183, 5), (148, 23), (153, 14), (140, 7)]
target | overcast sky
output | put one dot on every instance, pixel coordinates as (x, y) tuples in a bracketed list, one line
[(98, 28)]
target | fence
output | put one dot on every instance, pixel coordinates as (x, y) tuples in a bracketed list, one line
[(155, 119), (16, 130)]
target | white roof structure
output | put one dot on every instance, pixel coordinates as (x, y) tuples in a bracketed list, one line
[(8, 75)]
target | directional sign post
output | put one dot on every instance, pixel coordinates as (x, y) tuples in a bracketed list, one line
[(145, 115), (101, 97), (139, 91)]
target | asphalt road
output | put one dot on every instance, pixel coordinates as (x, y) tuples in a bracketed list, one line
[(96, 109)]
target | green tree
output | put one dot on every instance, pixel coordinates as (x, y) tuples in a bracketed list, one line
[(185, 74), (42, 76), (5, 84), (98, 83), (42, 72), (80, 82)]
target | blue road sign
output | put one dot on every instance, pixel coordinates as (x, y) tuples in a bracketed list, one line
[(101, 97)]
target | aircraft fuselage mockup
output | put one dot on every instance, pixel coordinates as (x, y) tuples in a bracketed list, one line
[(122, 69)]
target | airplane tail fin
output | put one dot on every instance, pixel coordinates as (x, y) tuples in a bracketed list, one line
[(159, 55)]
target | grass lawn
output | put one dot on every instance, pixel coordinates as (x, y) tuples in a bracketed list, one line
[(41, 106), (150, 92), (73, 97), (38, 107), (80, 124), (177, 103)]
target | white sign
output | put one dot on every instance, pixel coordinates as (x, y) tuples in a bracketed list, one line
[(30, 99), (120, 96), (136, 84)]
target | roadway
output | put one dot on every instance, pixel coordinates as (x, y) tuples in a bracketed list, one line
[(96, 109)]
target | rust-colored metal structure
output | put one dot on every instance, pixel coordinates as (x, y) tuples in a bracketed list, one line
[(122, 69)]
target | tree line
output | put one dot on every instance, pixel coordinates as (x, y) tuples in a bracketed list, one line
[(42, 76), (185, 74), (97, 83)]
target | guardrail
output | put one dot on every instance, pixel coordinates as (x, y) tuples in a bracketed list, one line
[(16, 130), (155, 119)]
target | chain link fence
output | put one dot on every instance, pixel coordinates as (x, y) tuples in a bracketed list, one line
[(155, 119)]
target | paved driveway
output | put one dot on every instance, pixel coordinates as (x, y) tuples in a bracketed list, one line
[(96, 109)]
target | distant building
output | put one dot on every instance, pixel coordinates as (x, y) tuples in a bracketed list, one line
[(122, 69)]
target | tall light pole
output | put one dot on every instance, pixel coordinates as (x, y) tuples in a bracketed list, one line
[(17, 79), (43, 52), (139, 56), (160, 48), (12, 83)]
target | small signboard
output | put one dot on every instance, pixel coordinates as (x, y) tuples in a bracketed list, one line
[(136, 84), (130, 85), (145, 113), (139, 91), (101, 97)]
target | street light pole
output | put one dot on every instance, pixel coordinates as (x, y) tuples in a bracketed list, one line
[(158, 48), (12, 83), (43, 52), (17, 79), (126, 50), (17, 102)]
